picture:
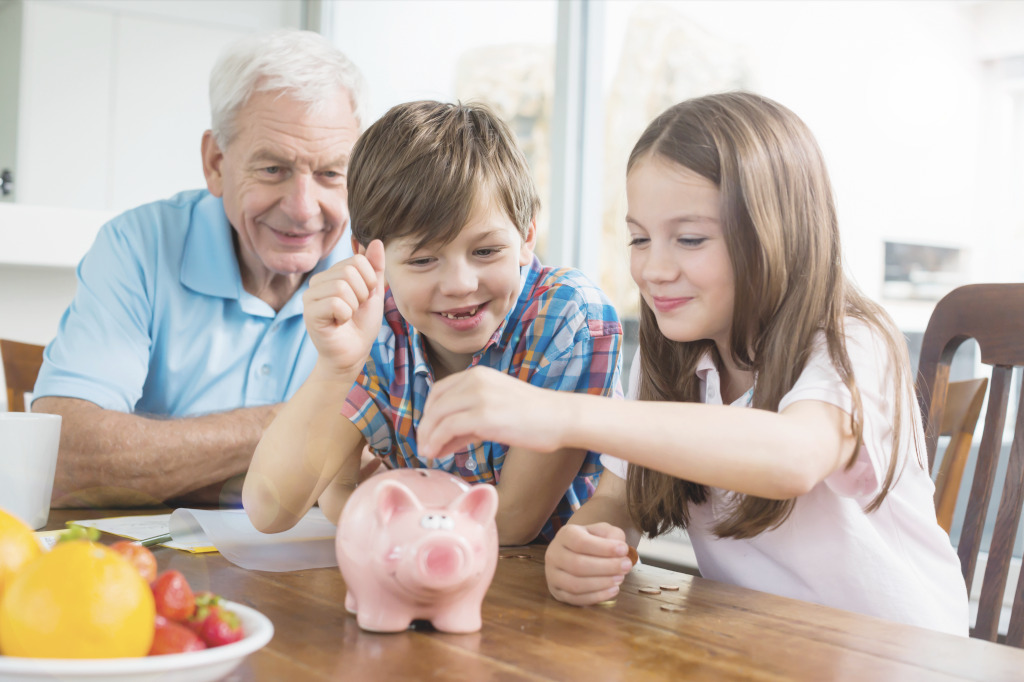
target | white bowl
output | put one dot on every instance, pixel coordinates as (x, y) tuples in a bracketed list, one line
[(196, 666)]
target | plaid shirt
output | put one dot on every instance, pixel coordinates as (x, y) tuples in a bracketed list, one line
[(562, 334)]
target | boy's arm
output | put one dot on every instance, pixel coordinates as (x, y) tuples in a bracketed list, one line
[(308, 445), (530, 487)]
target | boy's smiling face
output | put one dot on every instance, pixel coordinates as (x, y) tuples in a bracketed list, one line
[(457, 294)]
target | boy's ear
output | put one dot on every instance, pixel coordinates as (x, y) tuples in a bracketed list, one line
[(526, 250), (213, 157)]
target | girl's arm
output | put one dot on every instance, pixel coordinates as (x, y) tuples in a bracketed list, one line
[(755, 452), (588, 559)]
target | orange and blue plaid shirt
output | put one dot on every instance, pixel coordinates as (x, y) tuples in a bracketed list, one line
[(562, 334)]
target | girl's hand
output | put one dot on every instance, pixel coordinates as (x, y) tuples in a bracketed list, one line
[(343, 308), (480, 404), (586, 564)]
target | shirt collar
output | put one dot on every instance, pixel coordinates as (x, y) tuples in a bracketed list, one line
[(208, 262), (508, 331), (209, 265), (711, 383)]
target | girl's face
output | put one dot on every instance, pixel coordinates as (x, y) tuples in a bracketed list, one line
[(459, 293), (677, 252)]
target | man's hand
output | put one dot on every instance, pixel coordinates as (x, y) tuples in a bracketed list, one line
[(343, 308), (586, 564)]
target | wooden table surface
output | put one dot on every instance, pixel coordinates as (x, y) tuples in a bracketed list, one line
[(710, 631)]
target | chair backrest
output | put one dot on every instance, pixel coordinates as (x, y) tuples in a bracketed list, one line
[(21, 367), (958, 420), (992, 315)]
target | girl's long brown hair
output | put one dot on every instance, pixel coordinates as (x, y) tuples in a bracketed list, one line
[(780, 227)]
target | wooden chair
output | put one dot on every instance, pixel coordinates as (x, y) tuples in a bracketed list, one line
[(992, 315), (959, 418), (21, 367)]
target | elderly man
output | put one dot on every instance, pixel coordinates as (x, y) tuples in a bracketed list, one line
[(186, 330)]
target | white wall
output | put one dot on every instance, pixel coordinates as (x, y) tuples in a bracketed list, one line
[(102, 107), (112, 96)]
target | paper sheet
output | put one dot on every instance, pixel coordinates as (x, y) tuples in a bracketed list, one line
[(142, 527), (310, 544)]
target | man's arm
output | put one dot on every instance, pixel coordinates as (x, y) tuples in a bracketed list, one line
[(108, 458)]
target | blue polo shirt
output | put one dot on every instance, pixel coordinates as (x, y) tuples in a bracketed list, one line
[(161, 325)]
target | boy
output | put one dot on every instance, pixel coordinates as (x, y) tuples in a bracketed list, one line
[(443, 214)]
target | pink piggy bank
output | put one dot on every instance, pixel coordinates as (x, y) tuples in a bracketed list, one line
[(418, 544)]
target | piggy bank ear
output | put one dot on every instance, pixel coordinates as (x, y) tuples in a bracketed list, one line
[(480, 503), (392, 498)]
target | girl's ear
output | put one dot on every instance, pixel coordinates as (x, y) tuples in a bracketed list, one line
[(526, 250), (357, 248), (212, 159)]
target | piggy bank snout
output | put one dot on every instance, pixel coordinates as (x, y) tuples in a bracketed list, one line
[(443, 561)]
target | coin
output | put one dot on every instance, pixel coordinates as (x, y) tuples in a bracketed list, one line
[(650, 590), (672, 607), (670, 588)]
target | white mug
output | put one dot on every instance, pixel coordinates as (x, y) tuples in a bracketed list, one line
[(28, 460)]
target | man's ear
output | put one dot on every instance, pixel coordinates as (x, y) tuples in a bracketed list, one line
[(526, 250), (213, 157)]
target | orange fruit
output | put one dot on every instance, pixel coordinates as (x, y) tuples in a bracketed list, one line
[(79, 600), (18, 546)]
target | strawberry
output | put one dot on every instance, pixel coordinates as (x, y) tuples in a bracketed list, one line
[(221, 627), (170, 637), (204, 602), (139, 556), (173, 596)]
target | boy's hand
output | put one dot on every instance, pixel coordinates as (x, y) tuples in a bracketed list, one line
[(586, 564), (343, 308), (480, 404)]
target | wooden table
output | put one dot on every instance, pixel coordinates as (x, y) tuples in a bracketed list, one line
[(714, 631)]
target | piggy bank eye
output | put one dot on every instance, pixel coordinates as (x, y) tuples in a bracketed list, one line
[(437, 522)]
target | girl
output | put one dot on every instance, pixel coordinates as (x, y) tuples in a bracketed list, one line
[(818, 489)]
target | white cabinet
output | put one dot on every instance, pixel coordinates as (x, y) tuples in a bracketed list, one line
[(103, 104)]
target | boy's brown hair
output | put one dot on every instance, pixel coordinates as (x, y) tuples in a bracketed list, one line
[(419, 170)]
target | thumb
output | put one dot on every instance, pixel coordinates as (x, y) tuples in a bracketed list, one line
[(375, 254), (606, 530)]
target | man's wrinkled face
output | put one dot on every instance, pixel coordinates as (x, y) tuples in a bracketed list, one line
[(282, 179)]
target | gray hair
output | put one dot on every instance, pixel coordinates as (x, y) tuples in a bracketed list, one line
[(303, 64)]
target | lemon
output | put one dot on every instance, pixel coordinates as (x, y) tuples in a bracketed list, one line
[(79, 600), (18, 546)]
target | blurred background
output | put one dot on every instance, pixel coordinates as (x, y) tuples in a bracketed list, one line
[(918, 107)]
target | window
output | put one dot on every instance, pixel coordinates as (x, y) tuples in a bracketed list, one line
[(901, 96)]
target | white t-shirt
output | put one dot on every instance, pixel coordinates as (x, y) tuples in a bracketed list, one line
[(895, 562)]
